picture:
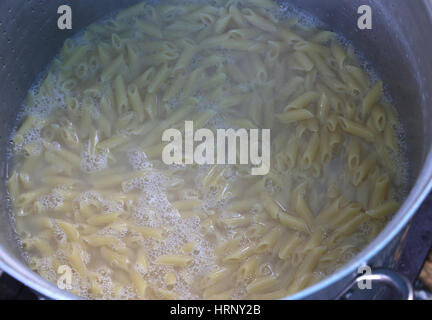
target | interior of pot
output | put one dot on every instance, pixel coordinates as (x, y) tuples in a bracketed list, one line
[(396, 47)]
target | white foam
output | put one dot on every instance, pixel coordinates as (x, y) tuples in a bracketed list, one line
[(138, 160), (52, 200), (91, 163)]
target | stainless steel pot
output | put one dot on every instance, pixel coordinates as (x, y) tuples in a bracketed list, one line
[(398, 47)]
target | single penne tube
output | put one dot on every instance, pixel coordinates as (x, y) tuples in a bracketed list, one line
[(29, 122), (113, 142), (76, 55), (160, 76), (323, 108), (150, 29), (239, 254), (242, 34), (241, 45), (272, 295), (201, 119), (265, 4), (115, 259), (176, 116), (104, 53), (347, 213), (96, 240), (301, 206), (234, 100), (301, 62), (380, 191), (248, 268), (144, 79), (214, 276), (173, 260), (310, 79), (69, 137), (184, 60), (136, 101), (262, 284), (271, 207), (240, 206), (189, 247), (121, 95), (214, 81), (353, 153), (336, 85), (103, 219), (302, 101), (378, 118), (170, 279), (274, 50), (311, 151), (260, 71), (303, 274), (339, 54), (335, 140), (13, 185), (356, 129), (103, 126), (74, 255), (294, 115), (147, 232), (69, 229), (289, 246), (162, 57), (217, 289), (332, 122), (371, 99), (268, 242), (384, 210), (289, 88), (258, 21), (59, 180), (359, 75), (192, 82), (140, 284), (293, 222), (141, 262), (131, 11), (347, 229), (324, 147), (237, 16), (361, 172), (175, 87), (222, 23), (151, 105), (291, 154), (113, 179), (113, 68), (330, 211)]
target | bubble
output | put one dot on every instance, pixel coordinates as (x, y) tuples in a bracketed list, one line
[(52, 200), (138, 160), (91, 163)]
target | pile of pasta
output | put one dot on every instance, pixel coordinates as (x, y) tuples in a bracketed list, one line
[(88, 188)]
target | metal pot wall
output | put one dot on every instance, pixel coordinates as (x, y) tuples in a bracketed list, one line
[(398, 47)]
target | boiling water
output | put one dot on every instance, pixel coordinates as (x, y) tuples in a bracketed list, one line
[(89, 190)]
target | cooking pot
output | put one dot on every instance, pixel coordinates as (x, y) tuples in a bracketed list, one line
[(398, 47)]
